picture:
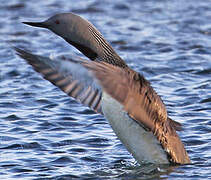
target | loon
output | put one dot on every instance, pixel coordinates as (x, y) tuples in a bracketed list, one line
[(107, 85)]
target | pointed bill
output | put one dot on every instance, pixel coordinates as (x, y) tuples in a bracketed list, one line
[(37, 24)]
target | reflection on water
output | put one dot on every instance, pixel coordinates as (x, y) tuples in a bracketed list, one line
[(45, 134)]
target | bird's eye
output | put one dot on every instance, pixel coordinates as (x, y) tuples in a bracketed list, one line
[(57, 22)]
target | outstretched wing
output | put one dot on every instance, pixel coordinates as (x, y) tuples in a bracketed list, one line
[(71, 77)]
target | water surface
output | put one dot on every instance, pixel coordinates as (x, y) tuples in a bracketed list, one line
[(44, 134)]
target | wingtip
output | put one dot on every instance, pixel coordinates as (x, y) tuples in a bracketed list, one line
[(23, 54), (18, 51)]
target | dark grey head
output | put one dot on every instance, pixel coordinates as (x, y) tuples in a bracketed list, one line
[(64, 25), (73, 29), (81, 34)]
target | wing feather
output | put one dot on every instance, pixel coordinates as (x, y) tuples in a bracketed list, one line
[(69, 77), (142, 104), (132, 91)]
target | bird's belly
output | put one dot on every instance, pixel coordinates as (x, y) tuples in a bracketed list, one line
[(142, 144)]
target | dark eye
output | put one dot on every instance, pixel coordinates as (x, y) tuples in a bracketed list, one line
[(57, 22)]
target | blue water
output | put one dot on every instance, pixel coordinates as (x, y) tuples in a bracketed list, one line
[(44, 134)]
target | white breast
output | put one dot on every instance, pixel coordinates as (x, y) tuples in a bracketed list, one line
[(142, 144)]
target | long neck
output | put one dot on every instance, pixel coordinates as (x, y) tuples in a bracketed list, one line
[(104, 50), (87, 39)]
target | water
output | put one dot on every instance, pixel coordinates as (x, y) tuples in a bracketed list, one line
[(46, 135)]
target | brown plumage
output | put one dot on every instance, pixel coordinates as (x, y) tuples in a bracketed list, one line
[(142, 104)]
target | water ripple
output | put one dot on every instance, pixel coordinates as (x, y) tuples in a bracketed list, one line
[(47, 135)]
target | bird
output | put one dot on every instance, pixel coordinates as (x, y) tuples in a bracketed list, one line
[(107, 85)]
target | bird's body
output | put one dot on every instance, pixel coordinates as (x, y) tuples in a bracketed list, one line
[(142, 144), (109, 87)]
